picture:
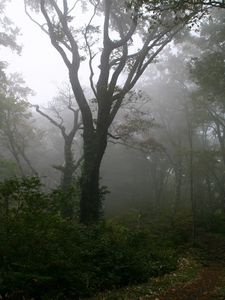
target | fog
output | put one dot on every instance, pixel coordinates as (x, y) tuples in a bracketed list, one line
[(112, 149), (157, 142), (38, 62)]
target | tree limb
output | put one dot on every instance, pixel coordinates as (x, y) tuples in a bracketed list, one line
[(53, 36), (60, 126), (91, 56), (73, 44)]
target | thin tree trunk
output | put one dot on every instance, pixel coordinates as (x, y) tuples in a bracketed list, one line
[(33, 171), (178, 183), (68, 167), (15, 154), (192, 198), (177, 200), (221, 137)]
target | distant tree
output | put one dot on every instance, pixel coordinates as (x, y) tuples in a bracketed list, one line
[(66, 100), (12, 106), (207, 71), (8, 31), (15, 129), (180, 132)]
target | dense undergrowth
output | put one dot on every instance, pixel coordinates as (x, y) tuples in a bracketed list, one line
[(46, 256)]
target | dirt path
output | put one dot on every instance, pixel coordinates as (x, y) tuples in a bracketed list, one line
[(210, 282), (206, 283), (205, 287)]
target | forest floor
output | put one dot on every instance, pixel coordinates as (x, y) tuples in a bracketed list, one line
[(200, 276)]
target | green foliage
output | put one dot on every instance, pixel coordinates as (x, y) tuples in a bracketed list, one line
[(16, 129), (212, 81), (8, 31), (67, 201), (181, 232), (188, 269), (208, 70), (7, 168), (214, 223), (44, 255)]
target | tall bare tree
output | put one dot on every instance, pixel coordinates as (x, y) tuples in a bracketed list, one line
[(128, 40)]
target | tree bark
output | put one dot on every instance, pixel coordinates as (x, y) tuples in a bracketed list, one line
[(66, 182), (178, 185), (91, 198), (68, 167)]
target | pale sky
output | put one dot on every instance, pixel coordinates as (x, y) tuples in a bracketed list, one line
[(41, 66)]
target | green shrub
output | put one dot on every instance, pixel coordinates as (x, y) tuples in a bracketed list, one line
[(43, 255), (181, 231)]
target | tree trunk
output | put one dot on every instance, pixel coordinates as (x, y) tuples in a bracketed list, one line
[(176, 205), (91, 198), (95, 134), (68, 202), (221, 138), (68, 167), (178, 184), (191, 178)]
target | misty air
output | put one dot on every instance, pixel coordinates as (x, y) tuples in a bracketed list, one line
[(112, 150)]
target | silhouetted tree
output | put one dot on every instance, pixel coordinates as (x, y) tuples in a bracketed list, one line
[(122, 63)]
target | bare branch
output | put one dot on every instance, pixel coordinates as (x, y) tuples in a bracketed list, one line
[(122, 62), (117, 60), (60, 126), (65, 7), (114, 136), (102, 83), (75, 122), (75, 111), (91, 56), (133, 146), (74, 66), (59, 168), (143, 53), (57, 113), (67, 32), (126, 37), (74, 5), (53, 36), (116, 107), (140, 66), (41, 26)]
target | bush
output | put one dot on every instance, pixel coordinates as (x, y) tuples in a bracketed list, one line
[(181, 231), (44, 255)]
